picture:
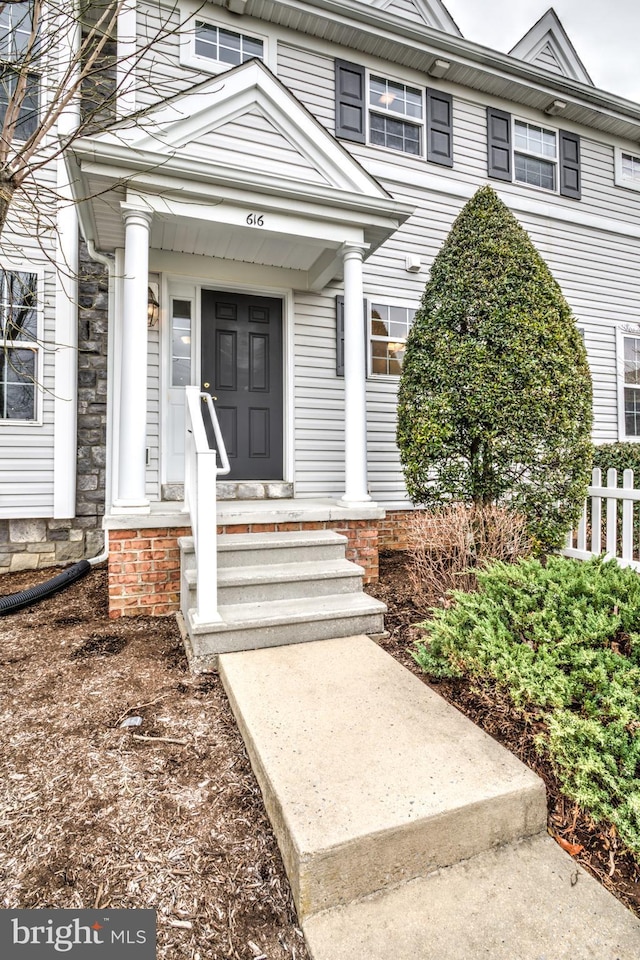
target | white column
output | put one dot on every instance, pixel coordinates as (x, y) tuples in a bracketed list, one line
[(355, 379), (132, 446), (66, 308)]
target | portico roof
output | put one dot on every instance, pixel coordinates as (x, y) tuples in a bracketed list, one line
[(236, 168)]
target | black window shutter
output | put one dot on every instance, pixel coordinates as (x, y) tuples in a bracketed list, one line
[(498, 144), (340, 333), (439, 128), (350, 101), (570, 165)]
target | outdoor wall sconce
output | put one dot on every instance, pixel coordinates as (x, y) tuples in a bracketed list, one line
[(153, 305)]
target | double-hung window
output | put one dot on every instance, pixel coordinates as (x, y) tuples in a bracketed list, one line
[(631, 368), (395, 115), (19, 354), (535, 155), (384, 112), (521, 151), (15, 35)]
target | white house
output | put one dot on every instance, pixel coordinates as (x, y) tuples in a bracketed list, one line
[(267, 227)]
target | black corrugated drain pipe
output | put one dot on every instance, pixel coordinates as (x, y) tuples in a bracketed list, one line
[(16, 601)]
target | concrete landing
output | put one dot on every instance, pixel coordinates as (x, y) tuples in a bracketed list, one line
[(525, 901), (370, 778)]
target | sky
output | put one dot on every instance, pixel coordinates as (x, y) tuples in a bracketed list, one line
[(604, 33)]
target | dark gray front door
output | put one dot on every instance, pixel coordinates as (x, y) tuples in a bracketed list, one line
[(242, 365)]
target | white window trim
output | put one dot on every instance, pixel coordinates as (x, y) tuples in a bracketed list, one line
[(38, 348), (619, 179), (384, 302), (420, 122), (624, 330), (188, 56), (535, 156)]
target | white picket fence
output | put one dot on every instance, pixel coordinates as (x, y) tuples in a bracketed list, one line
[(606, 525)]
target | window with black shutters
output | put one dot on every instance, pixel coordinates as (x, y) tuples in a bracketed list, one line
[(521, 151), (384, 112)]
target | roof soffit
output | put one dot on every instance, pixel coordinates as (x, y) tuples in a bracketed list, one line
[(363, 28), (549, 32)]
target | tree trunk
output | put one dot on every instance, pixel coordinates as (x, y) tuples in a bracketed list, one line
[(7, 190)]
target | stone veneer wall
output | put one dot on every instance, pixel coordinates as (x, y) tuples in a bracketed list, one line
[(30, 544), (144, 564)]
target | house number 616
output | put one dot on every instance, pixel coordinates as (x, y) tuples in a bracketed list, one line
[(255, 220)]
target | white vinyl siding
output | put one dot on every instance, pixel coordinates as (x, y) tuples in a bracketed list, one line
[(253, 143), (311, 78), (589, 246), (153, 414), (548, 60)]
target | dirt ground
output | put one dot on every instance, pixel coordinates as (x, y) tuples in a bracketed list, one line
[(167, 814)]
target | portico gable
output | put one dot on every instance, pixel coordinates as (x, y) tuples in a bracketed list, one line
[(233, 170)]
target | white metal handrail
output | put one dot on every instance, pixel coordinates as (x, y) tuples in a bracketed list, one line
[(603, 530), (201, 473)]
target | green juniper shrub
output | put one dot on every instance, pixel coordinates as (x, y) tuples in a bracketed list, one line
[(563, 639), (495, 392)]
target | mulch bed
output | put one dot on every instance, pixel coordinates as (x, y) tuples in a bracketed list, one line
[(165, 815), (168, 814), (593, 845)]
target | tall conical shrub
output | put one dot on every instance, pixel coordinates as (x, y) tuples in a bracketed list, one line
[(495, 392)]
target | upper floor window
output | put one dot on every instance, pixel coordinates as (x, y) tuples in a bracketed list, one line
[(15, 30), (535, 155), (15, 33), (226, 46), (525, 152), (388, 103), (627, 169), (374, 109), (19, 352), (216, 48)]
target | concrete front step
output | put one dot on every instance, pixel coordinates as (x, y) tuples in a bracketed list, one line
[(370, 778), (242, 549), (525, 901), (249, 626), (283, 581)]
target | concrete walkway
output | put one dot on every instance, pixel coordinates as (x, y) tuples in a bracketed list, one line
[(406, 832)]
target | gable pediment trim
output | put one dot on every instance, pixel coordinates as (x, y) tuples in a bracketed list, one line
[(549, 32), (173, 129), (433, 12)]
